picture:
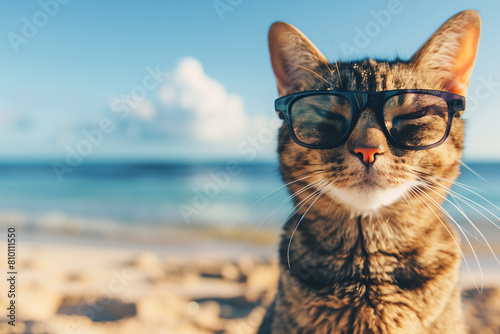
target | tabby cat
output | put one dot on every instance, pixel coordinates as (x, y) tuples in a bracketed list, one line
[(368, 150)]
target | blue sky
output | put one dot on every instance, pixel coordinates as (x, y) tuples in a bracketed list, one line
[(76, 76)]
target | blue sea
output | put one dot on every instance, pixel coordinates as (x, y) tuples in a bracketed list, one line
[(105, 198)]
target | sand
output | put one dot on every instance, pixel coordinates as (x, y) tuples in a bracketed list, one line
[(187, 285)]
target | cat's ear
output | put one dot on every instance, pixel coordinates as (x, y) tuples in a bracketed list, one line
[(450, 52), (293, 56)]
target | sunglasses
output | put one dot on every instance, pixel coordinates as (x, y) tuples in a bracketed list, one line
[(412, 119)]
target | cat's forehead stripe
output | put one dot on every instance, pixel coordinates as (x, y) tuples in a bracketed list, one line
[(371, 75)]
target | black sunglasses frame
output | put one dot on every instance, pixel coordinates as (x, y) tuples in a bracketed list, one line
[(375, 100)]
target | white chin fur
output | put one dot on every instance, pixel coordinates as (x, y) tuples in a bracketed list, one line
[(367, 199)]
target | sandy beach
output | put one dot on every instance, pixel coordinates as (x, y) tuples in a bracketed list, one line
[(190, 284)]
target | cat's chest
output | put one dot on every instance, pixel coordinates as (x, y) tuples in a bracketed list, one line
[(354, 302), (353, 276), (349, 289), (350, 285), (349, 261)]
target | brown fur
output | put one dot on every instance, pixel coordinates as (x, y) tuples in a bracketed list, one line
[(389, 270)]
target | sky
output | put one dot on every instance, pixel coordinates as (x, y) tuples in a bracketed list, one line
[(192, 81)]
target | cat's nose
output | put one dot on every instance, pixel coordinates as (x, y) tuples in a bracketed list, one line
[(368, 154)]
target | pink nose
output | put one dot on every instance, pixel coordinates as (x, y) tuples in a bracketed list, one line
[(368, 154)]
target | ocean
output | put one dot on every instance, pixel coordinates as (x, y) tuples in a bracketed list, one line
[(101, 199)]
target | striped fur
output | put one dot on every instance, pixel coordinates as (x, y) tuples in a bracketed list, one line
[(393, 269)]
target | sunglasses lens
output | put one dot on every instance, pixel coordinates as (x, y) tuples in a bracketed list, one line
[(320, 120), (416, 119)]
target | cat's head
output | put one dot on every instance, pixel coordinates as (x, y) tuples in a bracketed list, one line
[(367, 173)]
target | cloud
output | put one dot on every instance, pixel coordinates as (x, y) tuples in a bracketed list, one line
[(144, 110), (193, 115), (190, 107), (216, 115)]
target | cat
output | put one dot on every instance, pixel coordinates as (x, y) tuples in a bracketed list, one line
[(365, 154)]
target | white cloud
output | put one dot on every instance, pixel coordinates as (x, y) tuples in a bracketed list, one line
[(192, 114), (217, 115), (145, 110)]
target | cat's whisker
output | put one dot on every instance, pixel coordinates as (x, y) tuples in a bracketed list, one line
[(328, 209), (481, 197), (419, 173), (296, 208), (464, 199), (430, 181), (302, 203), (301, 178), (469, 202), (260, 200), (460, 209), (461, 229), (405, 196), (455, 199), (475, 235), (428, 187), (297, 225), (295, 194), (458, 184), (456, 196), (275, 191), (470, 221), (473, 171), (417, 192)]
